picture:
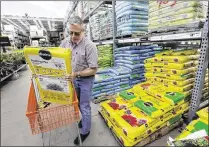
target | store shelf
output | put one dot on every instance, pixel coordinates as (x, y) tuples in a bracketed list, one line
[(15, 72), (169, 37), (178, 36), (104, 42)]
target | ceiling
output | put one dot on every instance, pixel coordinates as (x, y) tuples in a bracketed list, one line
[(24, 22)]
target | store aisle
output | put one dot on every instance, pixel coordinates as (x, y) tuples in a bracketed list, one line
[(15, 128)]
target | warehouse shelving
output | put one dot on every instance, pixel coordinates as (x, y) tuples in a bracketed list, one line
[(175, 36)]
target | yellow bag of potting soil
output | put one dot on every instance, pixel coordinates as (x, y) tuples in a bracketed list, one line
[(178, 83), (179, 59), (114, 105), (203, 113), (180, 89), (53, 61), (157, 59), (156, 70), (164, 53), (141, 88), (152, 107), (130, 95), (180, 77), (152, 74), (180, 65), (55, 89), (197, 125), (151, 65), (180, 72), (166, 95)]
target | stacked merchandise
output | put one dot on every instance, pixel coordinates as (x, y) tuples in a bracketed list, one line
[(132, 57), (95, 25), (106, 25), (88, 6), (173, 69), (131, 17), (176, 15), (105, 55), (138, 113), (198, 127), (110, 81)]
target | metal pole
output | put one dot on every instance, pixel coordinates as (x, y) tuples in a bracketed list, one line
[(114, 30), (200, 75)]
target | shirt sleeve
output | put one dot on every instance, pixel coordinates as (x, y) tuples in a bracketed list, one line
[(91, 55), (62, 44)]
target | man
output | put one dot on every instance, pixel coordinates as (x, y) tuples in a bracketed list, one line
[(84, 64)]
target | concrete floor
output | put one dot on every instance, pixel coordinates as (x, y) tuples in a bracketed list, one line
[(15, 130)]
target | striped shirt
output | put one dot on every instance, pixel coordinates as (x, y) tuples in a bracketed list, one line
[(84, 54)]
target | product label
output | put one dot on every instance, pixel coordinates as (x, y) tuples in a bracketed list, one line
[(55, 84), (54, 62)]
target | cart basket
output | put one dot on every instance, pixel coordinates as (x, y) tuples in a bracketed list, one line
[(52, 117)]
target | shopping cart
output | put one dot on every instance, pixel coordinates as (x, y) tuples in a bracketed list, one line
[(51, 117)]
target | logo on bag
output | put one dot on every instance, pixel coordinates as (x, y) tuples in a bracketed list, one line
[(45, 54)]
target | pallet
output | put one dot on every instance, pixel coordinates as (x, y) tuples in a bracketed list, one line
[(155, 136), (103, 98)]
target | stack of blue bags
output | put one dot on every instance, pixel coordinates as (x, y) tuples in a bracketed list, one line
[(131, 17), (109, 81), (128, 70), (132, 57)]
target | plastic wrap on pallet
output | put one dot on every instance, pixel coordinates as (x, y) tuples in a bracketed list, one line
[(176, 15)]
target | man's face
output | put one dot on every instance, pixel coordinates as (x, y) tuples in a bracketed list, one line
[(76, 32)]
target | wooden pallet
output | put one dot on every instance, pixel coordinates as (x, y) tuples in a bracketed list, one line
[(155, 136)]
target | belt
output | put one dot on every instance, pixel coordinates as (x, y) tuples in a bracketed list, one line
[(86, 77)]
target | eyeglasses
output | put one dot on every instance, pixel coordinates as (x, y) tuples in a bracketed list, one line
[(75, 33)]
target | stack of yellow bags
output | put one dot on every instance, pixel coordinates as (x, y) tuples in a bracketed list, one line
[(196, 125), (49, 66), (135, 114), (173, 69)]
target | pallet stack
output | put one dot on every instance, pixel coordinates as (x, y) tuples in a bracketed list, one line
[(131, 17), (106, 25), (135, 115), (110, 81), (132, 57), (173, 69), (138, 113), (176, 15), (95, 25), (197, 125), (105, 55)]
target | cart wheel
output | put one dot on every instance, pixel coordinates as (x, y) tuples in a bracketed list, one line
[(16, 76)]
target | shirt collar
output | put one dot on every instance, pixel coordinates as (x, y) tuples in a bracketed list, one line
[(74, 44)]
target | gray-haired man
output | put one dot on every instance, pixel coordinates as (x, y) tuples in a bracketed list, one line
[(84, 64)]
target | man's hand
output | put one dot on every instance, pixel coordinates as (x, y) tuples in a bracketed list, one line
[(71, 77)]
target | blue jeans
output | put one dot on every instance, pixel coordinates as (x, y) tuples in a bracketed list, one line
[(83, 87)]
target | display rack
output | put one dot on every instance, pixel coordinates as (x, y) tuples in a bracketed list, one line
[(175, 36)]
